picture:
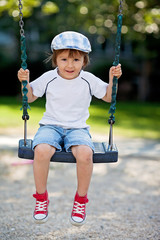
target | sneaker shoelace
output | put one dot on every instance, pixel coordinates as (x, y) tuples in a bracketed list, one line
[(79, 208), (41, 206)]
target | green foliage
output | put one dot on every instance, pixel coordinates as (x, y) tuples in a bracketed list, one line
[(11, 6), (96, 16), (50, 8)]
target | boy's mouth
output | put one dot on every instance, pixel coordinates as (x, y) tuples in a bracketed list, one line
[(69, 71)]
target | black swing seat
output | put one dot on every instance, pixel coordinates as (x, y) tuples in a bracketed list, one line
[(102, 154)]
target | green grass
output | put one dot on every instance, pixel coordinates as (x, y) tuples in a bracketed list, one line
[(133, 119)]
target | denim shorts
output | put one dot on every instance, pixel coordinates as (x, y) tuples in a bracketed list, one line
[(60, 138)]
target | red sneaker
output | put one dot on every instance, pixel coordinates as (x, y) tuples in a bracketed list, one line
[(41, 210), (78, 216)]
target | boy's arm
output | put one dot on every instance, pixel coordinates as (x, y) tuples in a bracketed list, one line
[(24, 75), (114, 71)]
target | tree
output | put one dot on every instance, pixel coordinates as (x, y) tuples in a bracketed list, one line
[(141, 24), (97, 16)]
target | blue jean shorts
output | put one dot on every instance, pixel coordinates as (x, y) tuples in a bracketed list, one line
[(60, 138)]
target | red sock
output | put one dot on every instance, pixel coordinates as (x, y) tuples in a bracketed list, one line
[(80, 199), (41, 197)]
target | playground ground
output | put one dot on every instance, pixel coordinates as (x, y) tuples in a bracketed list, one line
[(124, 196)]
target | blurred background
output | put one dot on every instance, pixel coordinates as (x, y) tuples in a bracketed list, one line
[(139, 87)]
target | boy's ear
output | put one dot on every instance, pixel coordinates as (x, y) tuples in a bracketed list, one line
[(84, 64)]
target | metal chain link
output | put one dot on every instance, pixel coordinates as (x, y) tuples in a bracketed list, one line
[(25, 105), (21, 23), (120, 7), (112, 109)]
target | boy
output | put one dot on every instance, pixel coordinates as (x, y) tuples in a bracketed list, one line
[(69, 91)]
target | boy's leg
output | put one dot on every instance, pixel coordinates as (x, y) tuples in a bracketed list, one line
[(80, 143), (84, 158), (42, 156), (45, 143)]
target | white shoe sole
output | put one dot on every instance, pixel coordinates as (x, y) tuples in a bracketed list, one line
[(40, 221), (77, 224)]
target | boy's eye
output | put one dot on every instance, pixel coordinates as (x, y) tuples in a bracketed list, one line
[(63, 59), (76, 59)]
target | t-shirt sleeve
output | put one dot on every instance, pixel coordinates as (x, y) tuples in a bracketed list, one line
[(98, 87), (39, 84)]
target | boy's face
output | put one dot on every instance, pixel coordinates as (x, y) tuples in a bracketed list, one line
[(69, 67)]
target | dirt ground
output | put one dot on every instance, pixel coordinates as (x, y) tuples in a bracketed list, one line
[(124, 197)]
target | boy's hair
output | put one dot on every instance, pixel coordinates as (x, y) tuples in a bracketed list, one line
[(72, 53)]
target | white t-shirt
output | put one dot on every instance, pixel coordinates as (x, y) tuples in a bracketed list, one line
[(67, 101)]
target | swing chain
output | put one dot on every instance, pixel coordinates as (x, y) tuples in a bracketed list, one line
[(112, 109), (25, 105), (115, 63), (21, 23), (120, 7)]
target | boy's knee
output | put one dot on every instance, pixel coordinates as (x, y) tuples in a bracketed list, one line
[(84, 154), (43, 151)]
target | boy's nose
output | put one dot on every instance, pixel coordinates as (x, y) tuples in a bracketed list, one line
[(70, 63)]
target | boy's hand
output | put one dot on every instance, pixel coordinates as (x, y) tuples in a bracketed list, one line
[(23, 75), (115, 71)]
